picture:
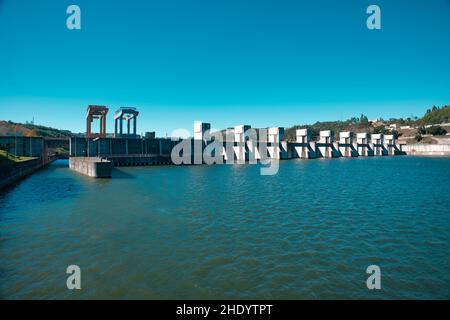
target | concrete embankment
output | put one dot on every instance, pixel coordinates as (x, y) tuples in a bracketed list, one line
[(426, 149), (92, 167), (12, 173)]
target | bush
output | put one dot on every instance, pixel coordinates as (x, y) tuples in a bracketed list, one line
[(418, 137), (436, 131), (381, 130)]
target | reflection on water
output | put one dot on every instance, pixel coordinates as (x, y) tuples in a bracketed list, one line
[(226, 232)]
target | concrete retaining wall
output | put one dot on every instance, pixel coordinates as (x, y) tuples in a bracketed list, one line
[(18, 171), (92, 167), (426, 149)]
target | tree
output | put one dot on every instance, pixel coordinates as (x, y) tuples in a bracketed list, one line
[(436, 131), (363, 119), (418, 137), (396, 134), (380, 129)]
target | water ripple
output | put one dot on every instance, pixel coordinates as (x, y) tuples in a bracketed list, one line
[(226, 232)]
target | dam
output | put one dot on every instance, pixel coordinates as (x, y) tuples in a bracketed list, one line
[(240, 144), (137, 151)]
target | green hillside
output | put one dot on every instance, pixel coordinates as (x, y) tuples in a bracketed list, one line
[(8, 128), (436, 115)]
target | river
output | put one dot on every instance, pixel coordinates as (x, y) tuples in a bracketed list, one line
[(226, 232)]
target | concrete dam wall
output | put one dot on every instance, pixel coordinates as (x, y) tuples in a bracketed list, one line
[(426, 149), (234, 147), (124, 151)]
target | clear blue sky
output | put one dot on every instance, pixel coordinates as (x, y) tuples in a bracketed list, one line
[(260, 62)]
